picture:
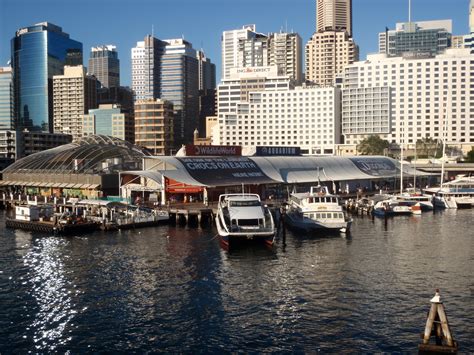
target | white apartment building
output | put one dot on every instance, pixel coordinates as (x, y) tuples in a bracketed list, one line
[(327, 54), (74, 93), (285, 51), (246, 48), (404, 99), (258, 107), (231, 46)]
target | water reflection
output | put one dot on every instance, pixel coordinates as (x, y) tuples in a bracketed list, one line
[(52, 291)]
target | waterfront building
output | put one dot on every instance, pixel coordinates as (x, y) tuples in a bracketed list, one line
[(38, 53), (422, 37), (7, 120), (259, 107), (146, 67), (109, 120), (74, 93), (87, 168), (105, 65), (285, 51), (327, 54), (404, 99), (154, 125), (334, 15)]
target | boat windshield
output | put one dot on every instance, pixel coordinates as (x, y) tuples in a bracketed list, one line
[(244, 203)]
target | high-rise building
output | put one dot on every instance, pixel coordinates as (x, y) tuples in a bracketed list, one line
[(74, 93), (327, 54), (231, 47), (38, 53), (331, 47), (246, 48), (471, 16), (285, 51), (404, 99), (105, 65), (154, 125), (334, 15), (146, 68), (423, 37), (109, 120), (6, 99), (259, 107), (253, 51), (207, 72), (180, 85)]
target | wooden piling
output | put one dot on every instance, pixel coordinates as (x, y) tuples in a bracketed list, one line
[(437, 325)]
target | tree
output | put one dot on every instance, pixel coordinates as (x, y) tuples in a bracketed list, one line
[(470, 156), (372, 145), (429, 147)]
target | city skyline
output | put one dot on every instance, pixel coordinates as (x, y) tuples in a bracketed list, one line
[(203, 28)]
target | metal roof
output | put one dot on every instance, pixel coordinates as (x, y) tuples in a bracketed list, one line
[(206, 171)]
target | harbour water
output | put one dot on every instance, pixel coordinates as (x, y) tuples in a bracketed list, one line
[(174, 289)]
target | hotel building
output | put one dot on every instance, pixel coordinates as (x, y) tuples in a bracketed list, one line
[(404, 99), (259, 107)]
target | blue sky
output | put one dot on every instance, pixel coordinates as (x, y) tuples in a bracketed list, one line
[(124, 22)]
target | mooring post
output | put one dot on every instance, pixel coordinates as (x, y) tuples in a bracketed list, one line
[(437, 324)]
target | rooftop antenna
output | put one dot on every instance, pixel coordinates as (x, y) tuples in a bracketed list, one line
[(409, 11), (152, 30), (286, 26)]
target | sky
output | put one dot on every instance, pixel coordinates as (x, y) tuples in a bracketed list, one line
[(201, 22)]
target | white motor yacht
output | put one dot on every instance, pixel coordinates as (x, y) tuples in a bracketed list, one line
[(316, 210), (243, 216), (458, 193)]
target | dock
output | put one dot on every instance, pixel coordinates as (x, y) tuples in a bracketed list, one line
[(51, 228)]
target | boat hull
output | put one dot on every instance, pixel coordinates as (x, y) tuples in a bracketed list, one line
[(311, 225), (256, 235)]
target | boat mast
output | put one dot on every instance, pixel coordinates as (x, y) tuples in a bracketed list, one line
[(401, 167), (443, 138), (414, 173)]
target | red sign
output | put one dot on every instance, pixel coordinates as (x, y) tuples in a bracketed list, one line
[(213, 150), (173, 186)]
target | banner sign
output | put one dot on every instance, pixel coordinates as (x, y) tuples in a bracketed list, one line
[(212, 150), (278, 151), (225, 171), (376, 166)]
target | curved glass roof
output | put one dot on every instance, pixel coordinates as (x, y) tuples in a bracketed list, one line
[(95, 154)]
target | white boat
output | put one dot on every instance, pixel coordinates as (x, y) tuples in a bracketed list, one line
[(391, 207), (458, 193), (424, 200), (316, 210), (244, 217)]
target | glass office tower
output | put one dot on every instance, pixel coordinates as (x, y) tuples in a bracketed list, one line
[(38, 53)]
